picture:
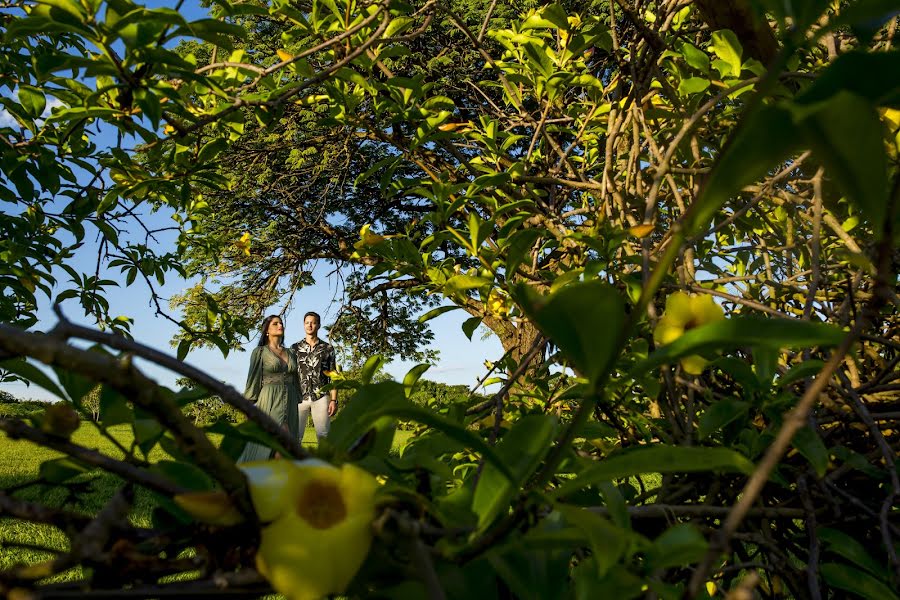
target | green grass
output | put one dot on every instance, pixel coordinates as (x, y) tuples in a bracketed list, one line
[(20, 461)]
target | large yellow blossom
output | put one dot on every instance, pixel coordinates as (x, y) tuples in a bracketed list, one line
[(317, 524), (683, 313)]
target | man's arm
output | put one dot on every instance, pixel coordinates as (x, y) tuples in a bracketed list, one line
[(331, 366)]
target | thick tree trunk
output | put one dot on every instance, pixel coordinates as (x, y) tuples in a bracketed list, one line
[(516, 340)]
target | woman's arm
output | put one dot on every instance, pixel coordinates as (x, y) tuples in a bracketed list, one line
[(254, 375)]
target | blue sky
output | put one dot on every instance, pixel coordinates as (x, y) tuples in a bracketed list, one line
[(461, 361)]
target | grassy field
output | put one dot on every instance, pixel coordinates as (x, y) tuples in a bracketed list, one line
[(20, 462)]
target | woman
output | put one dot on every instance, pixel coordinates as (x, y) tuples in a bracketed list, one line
[(272, 384)]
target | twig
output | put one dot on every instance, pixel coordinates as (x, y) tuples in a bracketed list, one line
[(17, 429), (888, 456), (667, 511), (66, 329), (536, 347), (812, 563), (37, 513), (121, 375)]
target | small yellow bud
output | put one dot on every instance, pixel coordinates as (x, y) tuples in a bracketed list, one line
[(454, 126), (641, 231), (214, 507)]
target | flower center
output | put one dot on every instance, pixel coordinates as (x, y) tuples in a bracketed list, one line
[(321, 505)]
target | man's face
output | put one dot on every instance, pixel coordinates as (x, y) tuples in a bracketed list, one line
[(311, 325)]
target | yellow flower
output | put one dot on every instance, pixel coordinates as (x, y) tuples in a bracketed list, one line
[(243, 244), (684, 312), (317, 524), (498, 303)]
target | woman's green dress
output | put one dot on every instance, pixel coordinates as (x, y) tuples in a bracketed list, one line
[(272, 385)]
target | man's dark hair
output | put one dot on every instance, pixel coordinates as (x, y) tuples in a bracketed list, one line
[(313, 314)]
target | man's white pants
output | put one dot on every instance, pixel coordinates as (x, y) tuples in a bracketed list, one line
[(319, 411)]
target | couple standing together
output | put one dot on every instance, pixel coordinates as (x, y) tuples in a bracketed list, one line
[(286, 383)]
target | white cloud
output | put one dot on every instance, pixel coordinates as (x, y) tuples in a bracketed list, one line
[(7, 120)]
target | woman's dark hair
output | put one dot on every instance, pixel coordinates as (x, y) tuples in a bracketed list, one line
[(265, 327)]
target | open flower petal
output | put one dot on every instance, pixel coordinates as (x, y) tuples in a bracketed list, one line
[(323, 528), (268, 480)]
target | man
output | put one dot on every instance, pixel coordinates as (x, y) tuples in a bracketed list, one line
[(315, 359)]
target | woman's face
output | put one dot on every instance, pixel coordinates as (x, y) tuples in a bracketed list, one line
[(276, 328)]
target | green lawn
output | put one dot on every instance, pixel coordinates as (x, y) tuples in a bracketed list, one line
[(20, 462)]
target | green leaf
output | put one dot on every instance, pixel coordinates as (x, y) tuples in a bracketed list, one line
[(572, 318), (114, 408), (184, 474), (847, 547), (436, 312), (529, 574), (215, 31), (460, 283), (860, 168), (805, 369), (552, 16), (470, 325), (521, 450), (388, 399), (763, 139), (607, 541), (736, 332), (61, 470), (859, 72), (519, 246), (695, 57), (812, 448), (693, 85), (412, 377), (371, 368), (719, 414), (727, 47), (33, 100), (856, 582), (618, 584), (658, 459), (615, 504), (76, 386), (184, 346), (31, 373), (147, 430), (680, 545)]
